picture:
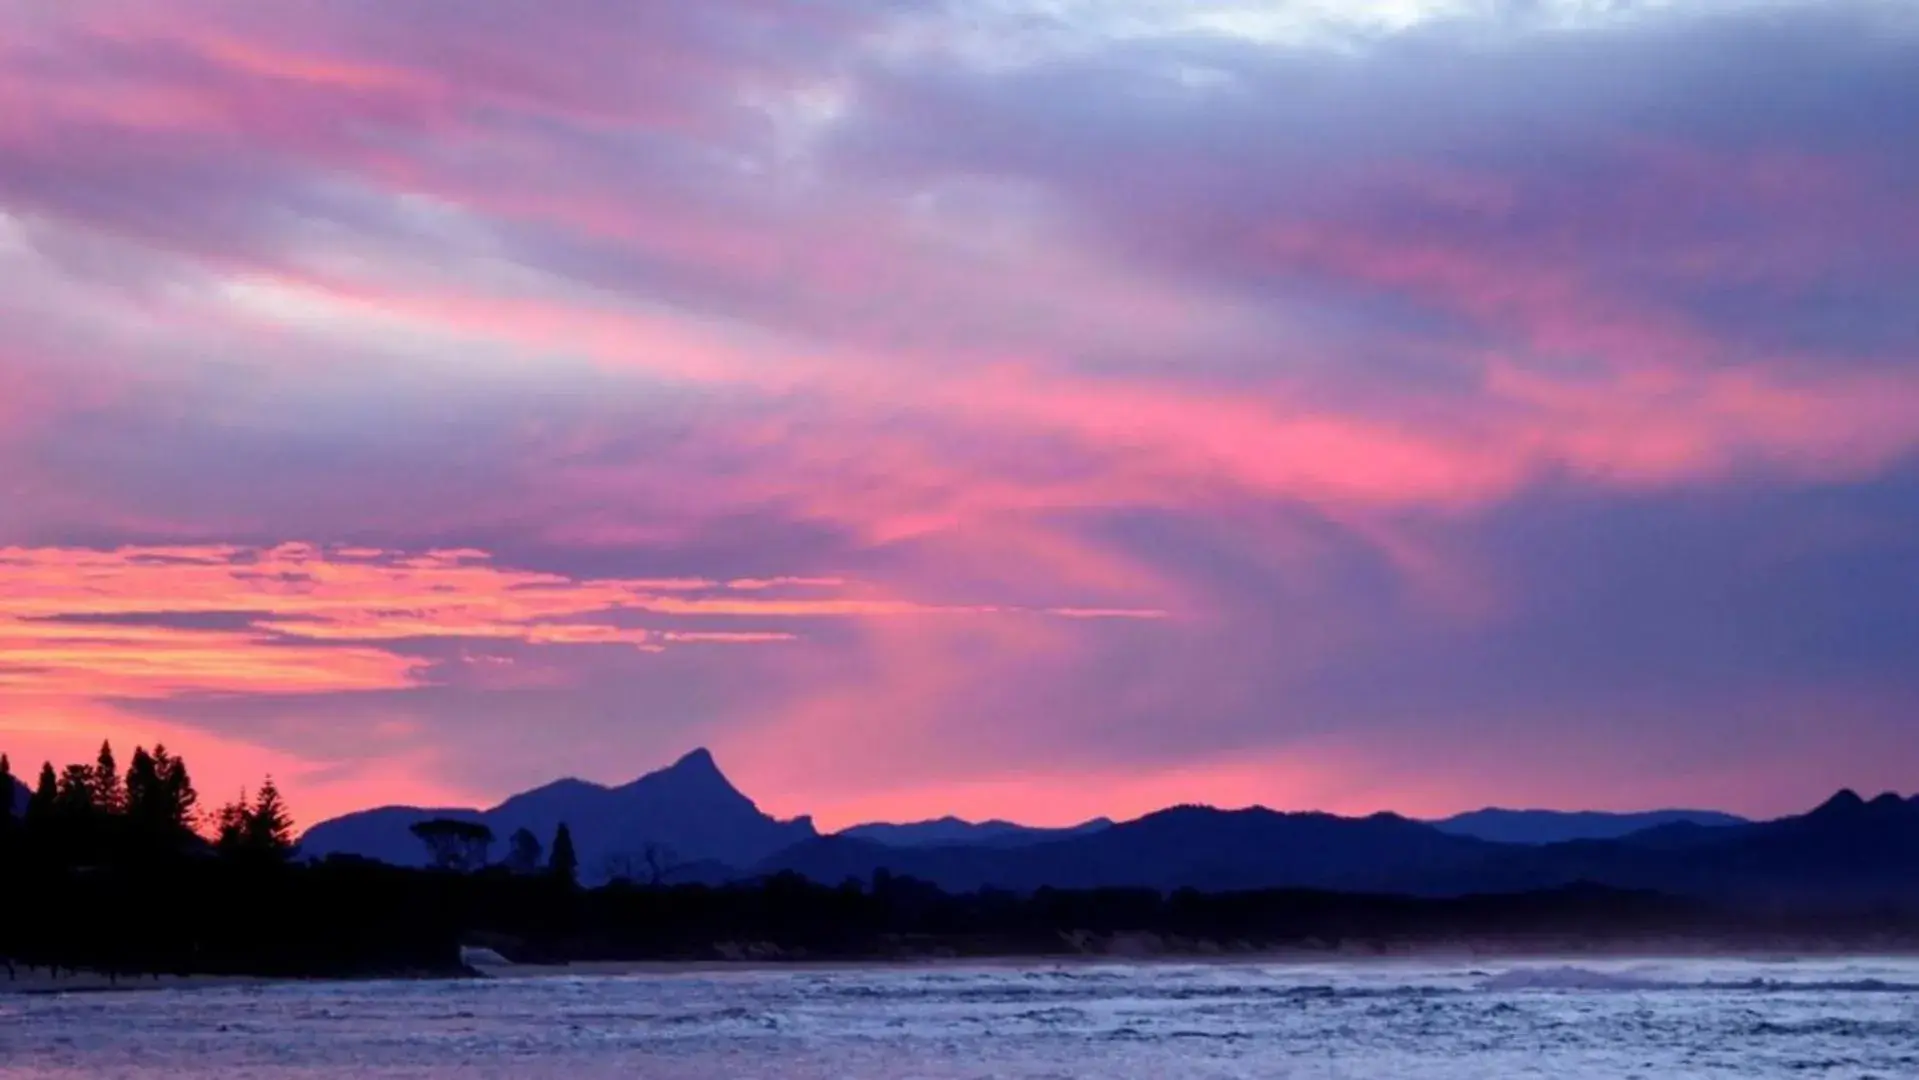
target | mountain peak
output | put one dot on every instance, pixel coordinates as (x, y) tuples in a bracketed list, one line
[(1847, 801), (699, 759), (694, 771)]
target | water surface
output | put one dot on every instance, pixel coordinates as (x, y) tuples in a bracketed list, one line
[(1661, 1021)]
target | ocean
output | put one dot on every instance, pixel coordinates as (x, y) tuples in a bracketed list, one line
[(1356, 1021)]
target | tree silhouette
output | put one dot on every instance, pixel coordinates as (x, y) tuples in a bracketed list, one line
[(258, 830), (75, 802), (564, 862), (269, 827), (460, 846), (143, 794), (179, 803), (9, 823), (45, 798), (230, 826), (523, 852), (6, 796), (108, 796)]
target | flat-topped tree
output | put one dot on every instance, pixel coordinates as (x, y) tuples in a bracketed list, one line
[(456, 845)]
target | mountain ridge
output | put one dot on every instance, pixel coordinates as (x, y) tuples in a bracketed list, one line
[(688, 822), (1542, 826), (1847, 851), (955, 830), (684, 814)]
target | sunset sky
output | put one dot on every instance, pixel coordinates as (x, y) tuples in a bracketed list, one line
[(1023, 408)]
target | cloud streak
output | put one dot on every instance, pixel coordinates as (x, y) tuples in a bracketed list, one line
[(296, 619)]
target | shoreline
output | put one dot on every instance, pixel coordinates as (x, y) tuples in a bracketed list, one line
[(1272, 958), (41, 981)]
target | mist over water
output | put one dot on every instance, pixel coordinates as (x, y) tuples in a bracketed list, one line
[(1361, 1021)]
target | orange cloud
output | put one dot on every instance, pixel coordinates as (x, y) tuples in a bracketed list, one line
[(160, 621)]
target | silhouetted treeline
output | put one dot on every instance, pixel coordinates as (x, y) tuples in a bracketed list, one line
[(114, 870), (116, 873)]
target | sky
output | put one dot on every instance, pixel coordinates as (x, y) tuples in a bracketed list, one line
[(1021, 408)]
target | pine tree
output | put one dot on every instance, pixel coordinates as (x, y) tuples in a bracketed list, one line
[(7, 809), (564, 863), (76, 792), (46, 796), (108, 796), (143, 790), (231, 826), (260, 829), (180, 806), (9, 818), (8, 834), (269, 828)]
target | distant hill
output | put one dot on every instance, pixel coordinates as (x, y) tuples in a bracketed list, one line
[(1557, 826), (21, 793), (689, 814), (1190, 846), (948, 831), (1848, 851)]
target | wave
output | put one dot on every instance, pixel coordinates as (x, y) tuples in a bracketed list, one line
[(1570, 978), (1841, 986)]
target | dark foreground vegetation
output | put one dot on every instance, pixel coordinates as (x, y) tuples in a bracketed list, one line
[(113, 874)]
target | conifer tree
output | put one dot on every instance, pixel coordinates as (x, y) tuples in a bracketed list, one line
[(230, 826), (108, 796), (269, 827), (7, 809), (9, 818), (76, 792), (564, 862), (180, 806), (46, 796), (143, 790), (259, 829)]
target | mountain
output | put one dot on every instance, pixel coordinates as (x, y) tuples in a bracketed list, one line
[(21, 793), (948, 831), (1556, 826), (689, 814), (1188, 846), (1846, 852)]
